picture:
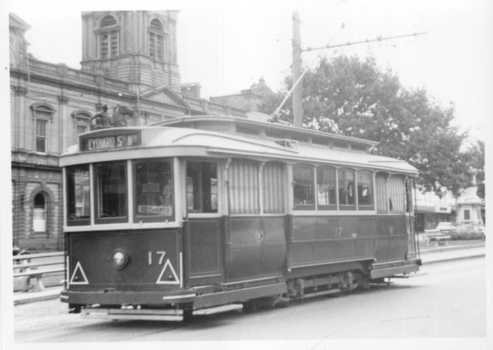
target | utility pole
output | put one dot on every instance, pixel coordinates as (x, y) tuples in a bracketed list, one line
[(296, 89), (297, 107)]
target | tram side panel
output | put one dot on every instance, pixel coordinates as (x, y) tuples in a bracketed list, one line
[(392, 238), (319, 240), (255, 248)]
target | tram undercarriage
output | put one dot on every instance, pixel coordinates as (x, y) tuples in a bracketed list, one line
[(215, 299)]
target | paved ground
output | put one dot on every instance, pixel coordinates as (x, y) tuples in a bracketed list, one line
[(434, 305)]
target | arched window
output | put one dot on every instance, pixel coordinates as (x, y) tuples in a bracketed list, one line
[(156, 40), (108, 37), (81, 122), (39, 213)]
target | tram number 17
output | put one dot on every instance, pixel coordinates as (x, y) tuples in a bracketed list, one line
[(160, 257)]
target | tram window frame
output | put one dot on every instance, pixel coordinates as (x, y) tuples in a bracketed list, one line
[(200, 204), (330, 206), (97, 196), (165, 189), (72, 196), (359, 183), (342, 177), (304, 206)]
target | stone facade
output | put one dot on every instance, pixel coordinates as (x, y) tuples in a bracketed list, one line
[(247, 99), (138, 47), (469, 211), (51, 104)]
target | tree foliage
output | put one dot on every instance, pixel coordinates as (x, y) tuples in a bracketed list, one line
[(354, 97)]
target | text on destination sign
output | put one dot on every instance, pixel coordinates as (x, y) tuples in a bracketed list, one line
[(110, 142)]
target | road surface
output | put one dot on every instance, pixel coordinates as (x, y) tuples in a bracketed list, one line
[(446, 300)]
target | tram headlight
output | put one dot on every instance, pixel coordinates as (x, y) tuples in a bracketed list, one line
[(119, 259)]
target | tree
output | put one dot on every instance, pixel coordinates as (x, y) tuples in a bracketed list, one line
[(354, 97)]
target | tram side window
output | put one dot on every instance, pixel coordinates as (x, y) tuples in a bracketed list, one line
[(397, 196), (365, 190), (153, 190), (303, 188), (202, 193), (78, 195), (273, 188), (243, 187), (111, 191), (326, 188), (346, 189)]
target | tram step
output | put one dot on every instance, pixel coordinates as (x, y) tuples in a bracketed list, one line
[(133, 314)]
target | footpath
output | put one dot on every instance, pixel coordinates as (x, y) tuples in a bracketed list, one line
[(429, 255)]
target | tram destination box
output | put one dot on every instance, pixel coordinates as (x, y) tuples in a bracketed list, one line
[(110, 139)]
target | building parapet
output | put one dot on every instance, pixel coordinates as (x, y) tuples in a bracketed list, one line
[(61, 71)]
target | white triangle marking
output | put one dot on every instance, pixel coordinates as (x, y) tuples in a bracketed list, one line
[(168, 263), (78, 266)]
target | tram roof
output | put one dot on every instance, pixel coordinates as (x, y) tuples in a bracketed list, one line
[(159, 141), (259, 120)]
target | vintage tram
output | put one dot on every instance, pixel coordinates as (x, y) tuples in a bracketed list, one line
[(203, 211)]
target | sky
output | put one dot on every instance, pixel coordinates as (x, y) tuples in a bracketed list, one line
[(227, 46)]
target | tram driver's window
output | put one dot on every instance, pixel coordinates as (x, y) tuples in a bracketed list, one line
[(153, 190), (202, 187), (303, 187), (112, 190)]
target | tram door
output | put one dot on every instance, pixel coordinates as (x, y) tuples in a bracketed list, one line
[(204, 232), (255, 243)]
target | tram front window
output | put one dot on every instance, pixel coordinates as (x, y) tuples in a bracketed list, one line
[(78, 198), (153, 190), (112, 190)]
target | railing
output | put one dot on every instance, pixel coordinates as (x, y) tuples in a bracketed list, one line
[(43, 66), (25, 271), (81, 75)]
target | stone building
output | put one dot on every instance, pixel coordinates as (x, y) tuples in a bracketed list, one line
[(128, 58), (431, 210), (247, 99), (470, 210)]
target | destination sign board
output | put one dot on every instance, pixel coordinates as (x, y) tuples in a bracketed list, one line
[(108, 141)]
